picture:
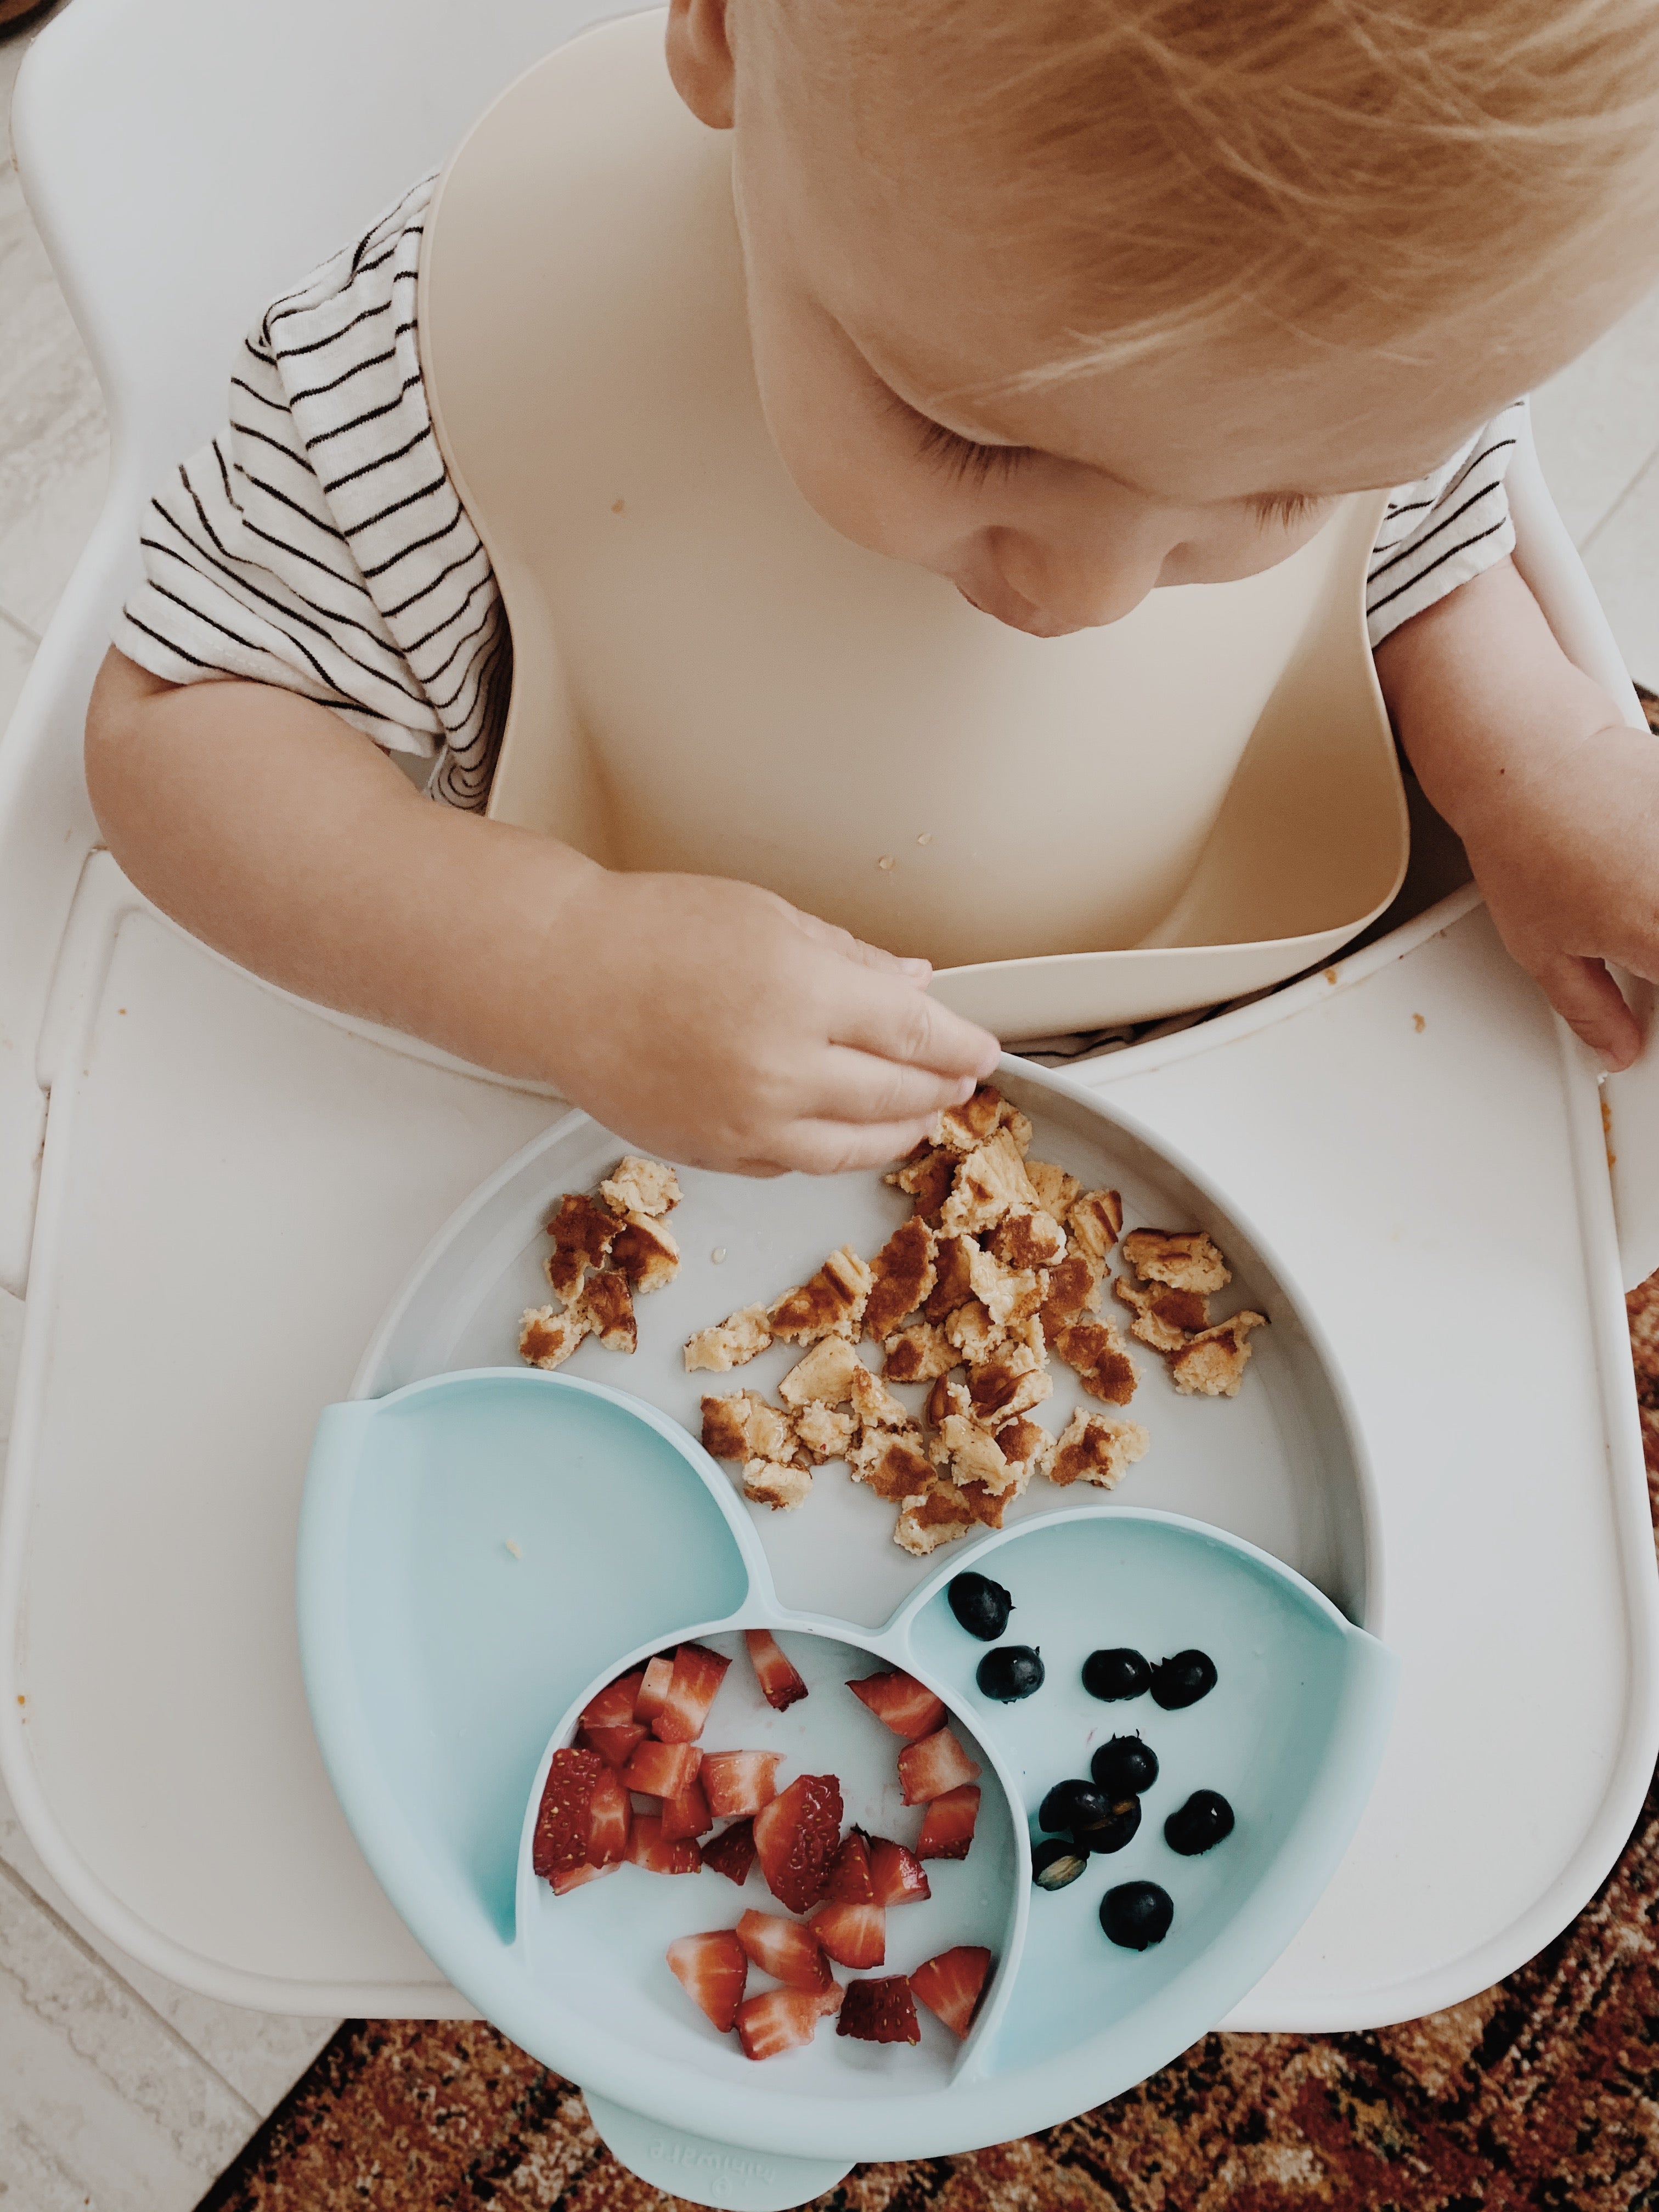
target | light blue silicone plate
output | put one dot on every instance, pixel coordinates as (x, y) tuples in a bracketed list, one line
[(481, 1551)]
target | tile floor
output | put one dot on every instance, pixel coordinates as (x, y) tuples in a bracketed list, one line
[(117, 2090)]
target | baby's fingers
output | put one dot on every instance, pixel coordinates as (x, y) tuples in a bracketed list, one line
[(1593, 1006), (886, 1018), (828, 1147), (856, 949), (857, 1087)]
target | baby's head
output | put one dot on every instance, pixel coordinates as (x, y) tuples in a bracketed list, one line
[(1066, 299)]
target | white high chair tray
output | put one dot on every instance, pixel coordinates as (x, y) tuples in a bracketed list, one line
[(1428, 1165)]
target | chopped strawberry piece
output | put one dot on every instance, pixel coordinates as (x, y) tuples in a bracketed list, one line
[(665, 1770), (849, 1879), (560, 1837), (931, 1767), (687, 1814), (615, 1746), (952, 1985), (573, 1877), (652, 1693), (711, 1970), (614, 1705), (784, 1949), (779, 1685), (908, 1708), (782, 2019), (609, 1817), (646, 1848), (947, 1826), (852, 1934), (732, 1852), (895, 1874), (739, 1782), (797, 1836), (697, 1675), (879, 2012)]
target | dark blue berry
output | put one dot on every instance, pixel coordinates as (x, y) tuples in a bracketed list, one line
[(981, 1606), (1199, 1824), (1115, 1674), (1010, 1672), (1136, 1914), (1183, 1680), (1125, 1767)]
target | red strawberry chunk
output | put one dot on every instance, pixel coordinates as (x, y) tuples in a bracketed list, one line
[(852, 1934), (561, 1837), (711, 1970), (732, 1852), (652, 1693), (779, 1685), (784, 1949), (739, 1782), (947, 1826), (849, 1874), (899, 1699), (952, 1985), (879, 2012), (664, 1770), (935, 1765), (797, 1836), (646, 1848), (686, 1815), (697, 1675), (782, 2019), (573, 1877), (609, 1818), (614, 1705), (615, 1746), (895, 1874)]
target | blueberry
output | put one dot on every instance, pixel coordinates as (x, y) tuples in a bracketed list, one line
[(1012, 1671), (1136, 1914), (1125, 1767), (1069, 1802), (1199, 1824), (1183, 1680), (1056, 1862), (981, 1606), (1118, 1828), (1112, 1676)]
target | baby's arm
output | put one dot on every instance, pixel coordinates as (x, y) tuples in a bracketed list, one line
[(702, 1018), (1556, 799)]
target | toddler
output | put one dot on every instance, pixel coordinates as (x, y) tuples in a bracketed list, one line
[(1063, 301)]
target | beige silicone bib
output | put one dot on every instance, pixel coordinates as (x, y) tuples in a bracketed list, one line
[(1188, 804)]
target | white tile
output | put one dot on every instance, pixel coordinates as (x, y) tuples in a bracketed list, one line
[(54, 439), (99, 2091), (258, 2055), (17, 652), (1623, 561), (1597, 422)]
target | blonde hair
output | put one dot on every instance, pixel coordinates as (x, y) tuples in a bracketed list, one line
[(1356, 170)]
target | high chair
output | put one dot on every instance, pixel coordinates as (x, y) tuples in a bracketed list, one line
[(208, 1192)]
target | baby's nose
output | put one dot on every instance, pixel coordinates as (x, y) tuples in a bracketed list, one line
[(1078, 589)]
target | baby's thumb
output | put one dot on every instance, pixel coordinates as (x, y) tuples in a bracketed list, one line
[(1592, 1007)]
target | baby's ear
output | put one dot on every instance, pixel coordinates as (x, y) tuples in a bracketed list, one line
[(700, 59)]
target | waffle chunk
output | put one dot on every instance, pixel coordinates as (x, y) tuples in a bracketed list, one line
[(742, 1426), (644, 1251), (636, 1186), (1213, 1365), (901, 1275), (917, 1354), (1104, 1366), (1092, 1448), (1164, 1318), (1185, 1260), (607, 1303), (1055, 1188), (548, 1336), (780, 1484), (1073, 1291), (825, 1377), (990, 1184), (926, 1178), (733, 1342), (829, 1303), (582, 1234), (821, 1431), (936, 1514), (1095, 1221)]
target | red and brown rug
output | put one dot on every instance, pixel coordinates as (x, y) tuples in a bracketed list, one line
[(1542, 2093)]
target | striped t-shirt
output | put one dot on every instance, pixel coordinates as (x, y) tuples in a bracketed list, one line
[(317, 543)]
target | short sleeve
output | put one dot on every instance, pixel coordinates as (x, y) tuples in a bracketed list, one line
[(317, 543), (1444, 528)]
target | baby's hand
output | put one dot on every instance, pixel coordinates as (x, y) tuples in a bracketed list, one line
[(1565, 847), (1556, 799), (712, 1022)]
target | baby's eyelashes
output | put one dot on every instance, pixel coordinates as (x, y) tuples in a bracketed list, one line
[(1284, 509)]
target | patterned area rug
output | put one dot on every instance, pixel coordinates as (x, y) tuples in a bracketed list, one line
[(1542, 2093)]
